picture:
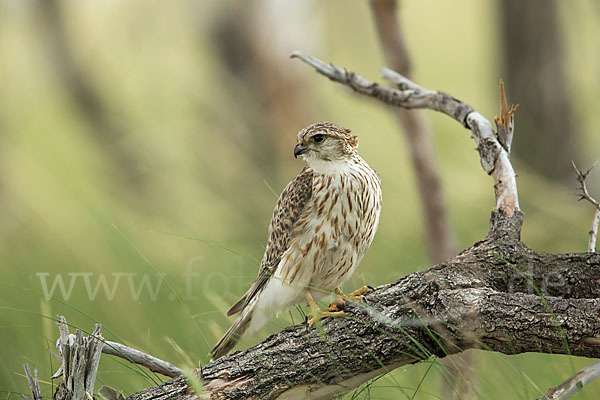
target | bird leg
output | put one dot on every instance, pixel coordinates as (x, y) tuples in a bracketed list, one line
[(356, 296), (317, 313)]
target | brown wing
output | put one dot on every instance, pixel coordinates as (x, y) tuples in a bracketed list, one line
[(290, 205)]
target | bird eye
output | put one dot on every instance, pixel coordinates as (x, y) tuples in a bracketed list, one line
[(318, 138)]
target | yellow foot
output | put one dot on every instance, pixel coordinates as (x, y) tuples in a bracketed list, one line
[(356, 296), (317, 314), (324, 314)]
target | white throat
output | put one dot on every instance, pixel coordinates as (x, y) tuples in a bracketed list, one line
[(335, 167)]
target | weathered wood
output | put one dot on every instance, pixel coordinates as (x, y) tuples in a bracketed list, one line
[(498, 295), (494, 157), (585, 195), (574, 384), (34, 383), (80, 359), (137, 357)]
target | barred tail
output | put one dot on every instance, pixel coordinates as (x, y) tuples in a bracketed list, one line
[(233, 335)]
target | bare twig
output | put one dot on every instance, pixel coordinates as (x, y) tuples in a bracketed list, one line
[(117, 349), (505, 123), (585, 195), (80, 357), (494, 157), (439, 237), (574, 384), (137, 357), (34, 383), (581, 178)]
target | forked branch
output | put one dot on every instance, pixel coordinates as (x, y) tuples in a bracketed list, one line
[(407, 94), (497, 295), (585, 195), (80, 357)]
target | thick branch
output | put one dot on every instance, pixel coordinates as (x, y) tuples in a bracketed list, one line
[(410, 320), (497, 295)]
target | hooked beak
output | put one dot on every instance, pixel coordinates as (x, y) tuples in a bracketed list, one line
[(299, 149)]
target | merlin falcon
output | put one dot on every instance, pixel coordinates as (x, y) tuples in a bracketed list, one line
[(322, 226)]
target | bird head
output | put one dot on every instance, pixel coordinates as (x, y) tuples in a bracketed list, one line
[(325, 141)]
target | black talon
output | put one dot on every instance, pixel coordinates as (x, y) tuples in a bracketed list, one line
[(371, 287)]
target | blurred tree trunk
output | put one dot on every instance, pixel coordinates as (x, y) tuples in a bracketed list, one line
[(271, 116), (439, 234), (536, 79), (440, 239), (61, 48), (266, 106)]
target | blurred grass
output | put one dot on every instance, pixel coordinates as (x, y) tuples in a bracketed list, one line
[(202, 166)]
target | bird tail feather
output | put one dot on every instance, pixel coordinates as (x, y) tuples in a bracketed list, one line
[(238, 306), (233, 335)]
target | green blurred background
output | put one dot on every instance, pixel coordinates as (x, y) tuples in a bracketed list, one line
[(144, 140)]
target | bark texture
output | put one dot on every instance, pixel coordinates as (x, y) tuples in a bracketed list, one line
[(498, 295), (439, 235)]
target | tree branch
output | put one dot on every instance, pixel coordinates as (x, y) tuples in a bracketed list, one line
[(137, 357), (594, 232), (494, 157), (498, 295), (574, 384), (411, 320), (585, 195), (80, 357), (440, 240)]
